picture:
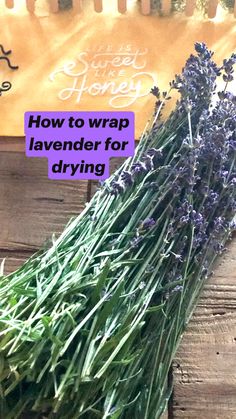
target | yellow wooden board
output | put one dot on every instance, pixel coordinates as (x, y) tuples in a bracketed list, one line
[(91, 61)]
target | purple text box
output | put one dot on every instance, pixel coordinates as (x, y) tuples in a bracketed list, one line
[(79, 138)]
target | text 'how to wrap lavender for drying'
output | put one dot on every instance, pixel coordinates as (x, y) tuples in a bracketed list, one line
[(79, 145)]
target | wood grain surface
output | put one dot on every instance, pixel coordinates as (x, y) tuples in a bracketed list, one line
[(32, 206), (14, 144), (205, 366), (204, 371)]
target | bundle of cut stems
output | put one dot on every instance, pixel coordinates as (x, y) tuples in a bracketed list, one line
[(89, 327)]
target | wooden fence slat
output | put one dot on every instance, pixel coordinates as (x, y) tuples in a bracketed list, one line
[(30, 5), (54, 6), (98, 6), (9, 4), (77, 6), (146, 7), (212, 8), (189, 8), (166, 7), (122, 6)]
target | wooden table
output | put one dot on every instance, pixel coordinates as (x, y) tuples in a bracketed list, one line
[(204, 371)]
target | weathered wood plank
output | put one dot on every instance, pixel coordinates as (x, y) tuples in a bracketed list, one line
[(205, 365), (14, 144), (32, 206), (14, 259)]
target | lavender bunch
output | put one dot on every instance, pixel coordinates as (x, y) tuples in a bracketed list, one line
[(89, 327)]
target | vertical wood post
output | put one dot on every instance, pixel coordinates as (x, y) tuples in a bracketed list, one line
[(98, 6), (166, 7), (30, 4), (77, 6), (189, 8), (212, 8), (146, 7), (54, 6), (122, 6), (9, 4)]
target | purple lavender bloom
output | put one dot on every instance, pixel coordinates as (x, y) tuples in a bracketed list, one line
[(187, 206), (155, 91), (148, 223), (153, 152), (197, 82), (176, 188), (200, 238), (226, 95), (203, 51), (135, 242), (204, 271), (219, 247), (212, 197), (219, 224), (148, 162), (224, 174), (184, 220), (197, 219), (228, 64), (138, 167), (127, 178), (178, 288), (117, 188), (230, 61)]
